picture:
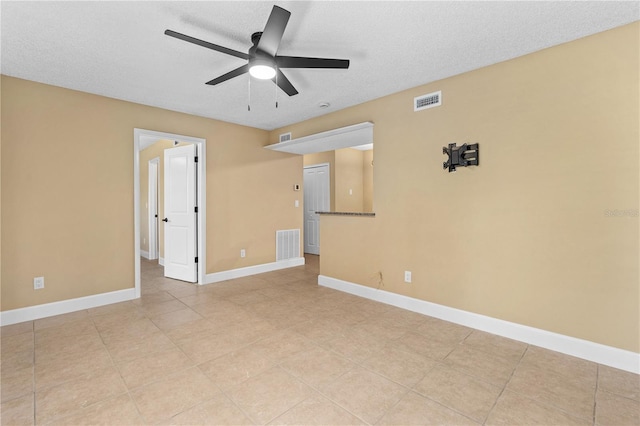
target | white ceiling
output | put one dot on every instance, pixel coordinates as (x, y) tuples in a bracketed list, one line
[(119, 50)]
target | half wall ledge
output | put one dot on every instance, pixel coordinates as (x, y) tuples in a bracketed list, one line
[(347, 214)]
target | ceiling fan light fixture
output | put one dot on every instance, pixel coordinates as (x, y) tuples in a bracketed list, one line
[(262, 69)]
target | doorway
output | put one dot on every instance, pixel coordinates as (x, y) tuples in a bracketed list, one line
[(142, 139), (317, 196)]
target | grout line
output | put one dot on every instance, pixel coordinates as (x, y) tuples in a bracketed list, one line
[(595, 394)]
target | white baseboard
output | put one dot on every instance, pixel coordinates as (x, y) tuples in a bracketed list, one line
[(65, 306), (252, 270), (144, 254), (596, 352), (161, 261)]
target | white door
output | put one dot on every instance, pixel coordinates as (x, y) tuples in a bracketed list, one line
[(180, 213), (316, 198)]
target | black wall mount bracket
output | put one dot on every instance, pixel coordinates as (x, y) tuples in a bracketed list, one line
[(461, 156)]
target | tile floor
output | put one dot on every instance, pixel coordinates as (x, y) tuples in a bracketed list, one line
[(279, 349)]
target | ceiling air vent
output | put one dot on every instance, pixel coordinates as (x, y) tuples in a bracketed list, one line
[(427, 101), (285, 137)]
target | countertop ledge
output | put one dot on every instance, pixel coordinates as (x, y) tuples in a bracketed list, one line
[(347, 214)]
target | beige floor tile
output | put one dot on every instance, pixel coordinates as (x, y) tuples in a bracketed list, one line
[(496, 345), (206, 346), (619, 382), (562, 392), (69, 366), (414, 409), (117, 320), (63, 400), (111, 308), (403, 317), (18, 412), (425, 346), (442, 331), (217, 411), (616, 410), (17, 343), (365, 394), (132, 348), (316, 366), (565, 365), (317, 410), (380, 328), (68, 330), (406, 368), (320, 329), (281, 345), (183, 333), (153, 367), (16, 382), (269, 394), (17, 351), (251, 331), (156, 297), (52, 348), (128, 331), (13, 329), (155, 309), (355, 345), (174, 319), (248, 298), (161, 400), (59, 320), (512, 409), (460, 392), (119, 410), (235, 367), (483, 365)]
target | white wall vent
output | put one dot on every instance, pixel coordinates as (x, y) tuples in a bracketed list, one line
[(287, 244), (285, 137), (427, 101)]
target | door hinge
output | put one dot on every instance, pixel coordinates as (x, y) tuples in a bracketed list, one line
[(195, 158), (196, 209), (196, 259)]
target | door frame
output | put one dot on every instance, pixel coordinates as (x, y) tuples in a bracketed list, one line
[(143, 138), (304, 209), (154, 175)]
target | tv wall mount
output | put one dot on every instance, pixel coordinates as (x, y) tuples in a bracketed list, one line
[(461, 156)]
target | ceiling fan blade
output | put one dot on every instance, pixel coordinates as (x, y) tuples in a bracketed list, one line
[(301, 62), (207, 44), (272, 34), (228, 76), (284, 83)]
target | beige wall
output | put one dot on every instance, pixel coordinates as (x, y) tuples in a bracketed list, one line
[(67, 191), (525, 236), (367, 181), (349, 183)]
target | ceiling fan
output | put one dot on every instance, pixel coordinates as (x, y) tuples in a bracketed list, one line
[(263, 61)]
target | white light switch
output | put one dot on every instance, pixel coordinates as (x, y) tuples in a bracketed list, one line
[(297, 203)]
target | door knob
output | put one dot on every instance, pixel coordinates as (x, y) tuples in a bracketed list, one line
[(165, 220)]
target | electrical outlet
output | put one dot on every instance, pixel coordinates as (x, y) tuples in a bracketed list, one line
[(38, 283), (407, 276), (243, 253)]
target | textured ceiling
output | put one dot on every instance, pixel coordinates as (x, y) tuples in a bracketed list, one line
[(118, 49)]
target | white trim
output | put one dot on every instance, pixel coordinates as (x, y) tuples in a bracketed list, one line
[(253, 270), (344, 137), (65, 306), (596, 352), (141, 137), (144, 254), (161, 261)]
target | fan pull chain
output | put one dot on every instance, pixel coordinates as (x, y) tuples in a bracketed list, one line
[(276, 87), (249, 94)]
